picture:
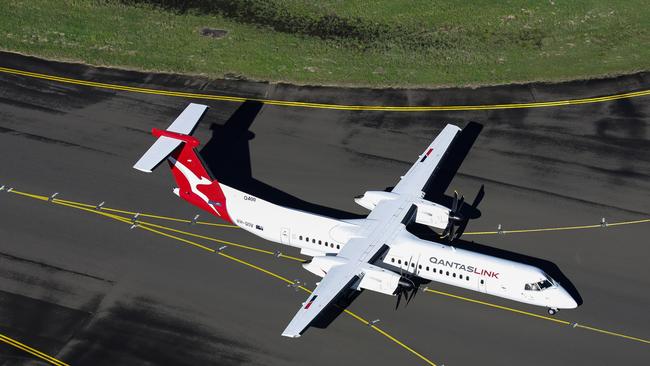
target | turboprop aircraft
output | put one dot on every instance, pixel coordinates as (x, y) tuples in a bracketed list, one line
[(376, 253)]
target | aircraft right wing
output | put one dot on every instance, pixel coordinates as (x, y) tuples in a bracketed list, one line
[(415, 180), (337, 280)]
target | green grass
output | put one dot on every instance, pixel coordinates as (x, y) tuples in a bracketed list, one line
[(353, 42)]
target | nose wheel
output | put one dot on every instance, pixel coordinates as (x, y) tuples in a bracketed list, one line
[(552, 311)]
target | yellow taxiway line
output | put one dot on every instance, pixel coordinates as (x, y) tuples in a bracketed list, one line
[(286, 103), (514, 231), (33, 351), (561, 228), (146, 227), (154, 229), (522, 312)]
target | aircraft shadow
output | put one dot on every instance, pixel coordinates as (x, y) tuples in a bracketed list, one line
[(437, 186), (227, 156)]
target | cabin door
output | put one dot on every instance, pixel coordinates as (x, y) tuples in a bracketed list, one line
[(481, 285), (284, 235)]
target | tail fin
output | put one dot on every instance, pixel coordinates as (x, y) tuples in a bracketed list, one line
[(176, 145)]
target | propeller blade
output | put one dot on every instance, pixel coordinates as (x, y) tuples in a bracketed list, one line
[(461, 229), (450, 237), (454, 205), (412, 294), (460, 206), (446, 231), (465, 221), (399, 297)]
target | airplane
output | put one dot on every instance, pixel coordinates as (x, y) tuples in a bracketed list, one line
[(375, 253)]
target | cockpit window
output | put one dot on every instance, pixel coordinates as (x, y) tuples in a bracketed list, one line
[(538, 286)]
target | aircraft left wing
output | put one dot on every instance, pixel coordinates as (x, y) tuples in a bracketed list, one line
[(337, 280), (416, 179)]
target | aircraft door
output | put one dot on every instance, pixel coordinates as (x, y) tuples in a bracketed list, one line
[(482, 285), (285, 234)]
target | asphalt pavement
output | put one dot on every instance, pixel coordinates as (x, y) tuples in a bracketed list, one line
[(91, 291)]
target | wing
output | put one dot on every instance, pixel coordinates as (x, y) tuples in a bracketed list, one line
[(416, 179), (337, 280)]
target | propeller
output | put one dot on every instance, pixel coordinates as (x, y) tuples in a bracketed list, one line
[(455, 217), (477, 201), (406, 287)]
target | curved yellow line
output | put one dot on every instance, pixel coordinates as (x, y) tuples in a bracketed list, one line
[(146, 226), (32, 351), (150, 227), (286, 103)]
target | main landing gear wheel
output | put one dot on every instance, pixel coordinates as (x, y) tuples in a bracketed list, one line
[(552, 311)]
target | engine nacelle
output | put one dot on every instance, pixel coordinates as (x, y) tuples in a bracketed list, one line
[(379, 280), (432, 214), (370, 199), (322, 264)]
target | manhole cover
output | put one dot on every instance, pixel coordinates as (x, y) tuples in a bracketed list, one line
[(213, 32)]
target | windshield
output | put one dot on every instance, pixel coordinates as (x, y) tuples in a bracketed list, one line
[(538, 286)]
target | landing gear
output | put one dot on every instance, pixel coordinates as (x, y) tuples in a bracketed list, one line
[(552, 311)]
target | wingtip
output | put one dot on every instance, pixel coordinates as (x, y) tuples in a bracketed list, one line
[(290, 335), (144, 170)]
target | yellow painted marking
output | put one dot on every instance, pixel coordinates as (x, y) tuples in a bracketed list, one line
[(131, 213), (145, 226), (612, 333), (516, 231), (286, 103), (91, 209), (32, 351), (562, 228), (220, 241), (555, 320), (498, 306)]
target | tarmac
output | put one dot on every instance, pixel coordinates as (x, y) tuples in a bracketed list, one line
[(91, 291)]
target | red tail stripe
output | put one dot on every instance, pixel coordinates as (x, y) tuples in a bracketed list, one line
[(189, 140)]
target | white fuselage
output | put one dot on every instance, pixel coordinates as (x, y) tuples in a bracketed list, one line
[(317, 235)]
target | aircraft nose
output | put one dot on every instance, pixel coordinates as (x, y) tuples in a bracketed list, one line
[(565, 300)]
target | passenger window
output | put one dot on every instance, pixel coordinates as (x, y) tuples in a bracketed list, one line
[(313, 241), (300, 237), (460, 276), (332, 245), (338, 246), (447, 273), (307, 238), (420, 266), (467, 278), (427, 268), (392, 260), (482, 282), (319, 242), (412, 264), (434, 270), (454, 275), (399, 261)]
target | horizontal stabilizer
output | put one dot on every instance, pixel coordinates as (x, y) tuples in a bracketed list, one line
[(188, 119), (158, 152), (184, 124)]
